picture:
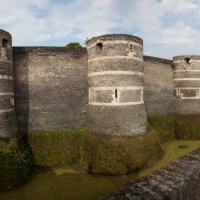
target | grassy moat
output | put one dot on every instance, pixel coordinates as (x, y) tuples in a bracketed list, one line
[(71, 184)]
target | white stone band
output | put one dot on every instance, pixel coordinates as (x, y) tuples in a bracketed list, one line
[(116, 104), (116, 73), (6, 94), (180, 61), (187, 79), (110, 57), (6, 77), (118, 87), (190, 97), (116, 42), (6, 110), (5, 61)]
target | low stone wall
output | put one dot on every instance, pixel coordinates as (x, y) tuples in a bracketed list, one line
[(180, 180)]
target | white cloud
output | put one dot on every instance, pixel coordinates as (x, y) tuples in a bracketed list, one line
[(167, 27)]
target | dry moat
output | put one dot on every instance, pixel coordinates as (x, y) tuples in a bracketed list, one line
[(68, 183), (79, 123)]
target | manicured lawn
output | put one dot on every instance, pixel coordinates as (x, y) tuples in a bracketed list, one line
[(71, 184)]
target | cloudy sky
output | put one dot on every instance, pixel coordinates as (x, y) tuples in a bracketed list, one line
[(168, 27)]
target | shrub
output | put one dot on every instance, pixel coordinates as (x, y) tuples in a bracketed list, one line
[(56, 148), (187, 127), (117, 155), (73, 45), (163, 126), (16, 163)]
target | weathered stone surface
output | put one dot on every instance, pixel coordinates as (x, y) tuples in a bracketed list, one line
[(179, 181), (187, 84), (158, 86), (116, 103), (7, 107), (113, 37), (110, 80), (115, 64), (51, 87), (115, 49), (122, 120)]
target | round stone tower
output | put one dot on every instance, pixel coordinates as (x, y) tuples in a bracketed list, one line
[(115, 77), (187, 84), (7, 107)]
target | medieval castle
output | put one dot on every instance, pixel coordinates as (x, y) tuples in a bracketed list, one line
[(110, 87)]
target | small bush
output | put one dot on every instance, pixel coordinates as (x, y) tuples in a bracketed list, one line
[(187, 127), (56, 148), (163, 126), (117, 155), (16, 163), (73, 45), (175, 127)]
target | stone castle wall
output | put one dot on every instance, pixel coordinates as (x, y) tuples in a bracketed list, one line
[(7, 107), (158, 86), (187, 84), (54, 85), (51, 89), (115, 77)]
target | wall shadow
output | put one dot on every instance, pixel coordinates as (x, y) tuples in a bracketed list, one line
[(21, 90)]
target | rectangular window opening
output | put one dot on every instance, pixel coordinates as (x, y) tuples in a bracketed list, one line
[(116, 95), (99, 47), (5, 43)]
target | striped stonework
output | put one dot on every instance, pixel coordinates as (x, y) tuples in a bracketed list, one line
[(7, 107), (115, 79), (187, 84), (112, 96)]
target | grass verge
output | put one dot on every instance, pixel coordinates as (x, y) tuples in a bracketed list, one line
[(67, 183), (117, 155), (16, 163)]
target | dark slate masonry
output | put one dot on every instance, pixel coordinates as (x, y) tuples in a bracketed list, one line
[(51, 90), (187, 84), (7, 105), (50, 87), (158, 86), (116, 84), (179, 181), (51, 84)]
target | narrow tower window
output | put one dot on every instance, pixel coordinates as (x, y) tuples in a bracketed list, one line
[(187, 60), (5, 43), (131, 48), (99, 47), (4, 48), (116, 95)]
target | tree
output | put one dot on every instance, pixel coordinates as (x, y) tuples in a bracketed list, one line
[(73, 45)]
